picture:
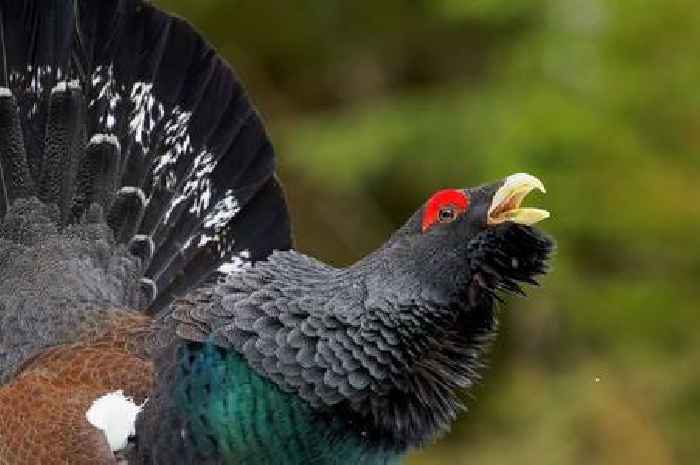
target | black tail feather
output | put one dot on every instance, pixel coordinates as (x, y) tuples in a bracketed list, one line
[(126, 214), (98, 181), (63, 147), (177, 158)]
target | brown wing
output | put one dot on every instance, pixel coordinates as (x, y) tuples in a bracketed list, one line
[(42, 411)]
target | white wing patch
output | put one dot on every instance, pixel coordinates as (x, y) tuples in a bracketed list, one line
[(114, 414)]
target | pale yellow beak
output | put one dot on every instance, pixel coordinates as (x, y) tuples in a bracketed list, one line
[(506, 203)]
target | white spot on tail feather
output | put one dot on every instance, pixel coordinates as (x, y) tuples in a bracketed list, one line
[(108, 96), (145, 115), (132, 190), (236, 264), (114, 414), (60, 87), (217, 219), (177, 141), (223, 212), (198, 185), (105, 139)]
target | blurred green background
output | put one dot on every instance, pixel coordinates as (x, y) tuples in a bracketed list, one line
[(373, 105)]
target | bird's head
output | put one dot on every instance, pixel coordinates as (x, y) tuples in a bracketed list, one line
[(467, 243)]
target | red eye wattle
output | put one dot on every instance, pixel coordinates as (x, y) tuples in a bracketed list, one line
[(444, 207)]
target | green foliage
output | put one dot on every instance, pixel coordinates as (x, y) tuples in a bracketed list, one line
[(374, 105)]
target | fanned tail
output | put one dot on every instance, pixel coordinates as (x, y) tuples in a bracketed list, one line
[(113, 103)]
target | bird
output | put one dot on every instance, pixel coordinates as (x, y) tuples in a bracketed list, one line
[(153, 307)]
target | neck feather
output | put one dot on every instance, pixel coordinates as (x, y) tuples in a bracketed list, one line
[(365, 344)]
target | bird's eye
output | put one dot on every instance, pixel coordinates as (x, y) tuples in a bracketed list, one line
[(447, 214), (444, 207)]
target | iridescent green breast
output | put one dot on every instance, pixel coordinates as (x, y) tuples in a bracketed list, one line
[(245, 419)]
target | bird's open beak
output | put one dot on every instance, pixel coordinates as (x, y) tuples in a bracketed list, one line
[(506, 203)]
